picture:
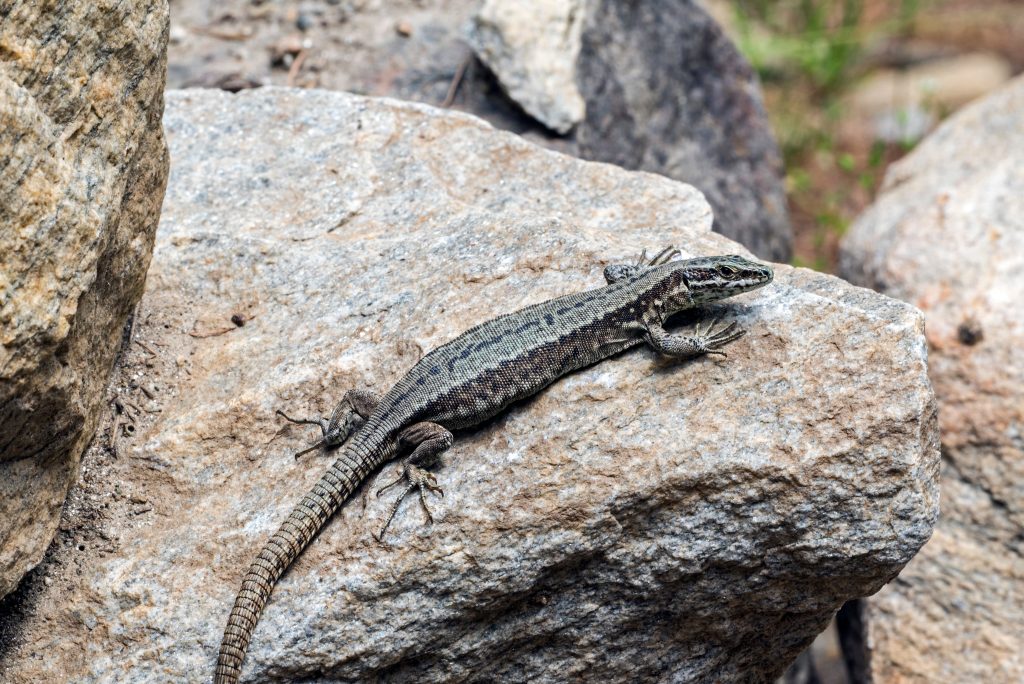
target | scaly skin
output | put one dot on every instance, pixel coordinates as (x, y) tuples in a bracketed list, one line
[(476, 376)]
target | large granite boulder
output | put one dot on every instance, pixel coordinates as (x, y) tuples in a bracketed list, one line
[(947, 234), (640, 520), (83, 166), (650, 86)]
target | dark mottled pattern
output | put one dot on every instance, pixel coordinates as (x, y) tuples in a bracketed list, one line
[(474, 377)]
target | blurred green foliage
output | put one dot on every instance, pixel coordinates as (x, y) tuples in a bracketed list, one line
[(808, 54), (816, 39), (819, 41)]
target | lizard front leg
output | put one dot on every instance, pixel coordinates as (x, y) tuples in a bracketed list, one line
[(348, 416), (706, 341), (429, 440)]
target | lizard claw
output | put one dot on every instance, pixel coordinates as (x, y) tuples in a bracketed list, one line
[(712, 341), (418, 479)]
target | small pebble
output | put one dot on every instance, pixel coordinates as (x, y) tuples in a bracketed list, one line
[(969, 332), (178, 34)]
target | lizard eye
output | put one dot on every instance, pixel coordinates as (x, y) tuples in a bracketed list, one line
[(725, 268)]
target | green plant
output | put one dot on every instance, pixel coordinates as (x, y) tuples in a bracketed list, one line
[(819, 40), (808, 53)]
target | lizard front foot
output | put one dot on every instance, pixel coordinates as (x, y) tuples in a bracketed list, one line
[(703, 341), (613, 273), (711, 342)]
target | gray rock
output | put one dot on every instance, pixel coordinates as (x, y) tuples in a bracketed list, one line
[(640, 520), (667, 92), (947, 234), (532, 46), (903, 103), (664, 90), (83, 166)]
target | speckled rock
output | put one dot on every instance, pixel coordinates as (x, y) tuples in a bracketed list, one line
[(640, 520), (532, 46), (83, 166), (663, 89), (947, 234)]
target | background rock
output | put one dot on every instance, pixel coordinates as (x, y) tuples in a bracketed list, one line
[(943, 84), (947, 234), (638, 520), (532, 47), (905, 103), (83, 166), (665, 90)]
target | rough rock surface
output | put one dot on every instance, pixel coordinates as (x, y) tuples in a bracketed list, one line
[(639, 520), (83, 166), (532, 47), (664, 88), (667, 92), (947, 234)]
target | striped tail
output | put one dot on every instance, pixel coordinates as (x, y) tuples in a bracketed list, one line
[(294, 535)]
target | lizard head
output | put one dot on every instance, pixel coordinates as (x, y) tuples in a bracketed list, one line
[(708, 279)]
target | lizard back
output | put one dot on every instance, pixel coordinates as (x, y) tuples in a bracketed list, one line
[(496, 363)]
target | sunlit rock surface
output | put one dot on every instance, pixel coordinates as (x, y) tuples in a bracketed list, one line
[(640, 520), (947, 235)]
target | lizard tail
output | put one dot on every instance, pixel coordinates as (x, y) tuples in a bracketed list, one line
[(295, 533)]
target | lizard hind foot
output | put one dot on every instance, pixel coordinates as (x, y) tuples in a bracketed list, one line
[(418, 479), (348, 416)]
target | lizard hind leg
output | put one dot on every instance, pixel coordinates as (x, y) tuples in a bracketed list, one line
[(430, 441), (348, 416)]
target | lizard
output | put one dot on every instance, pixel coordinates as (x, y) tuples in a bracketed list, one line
[(473, 378)]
